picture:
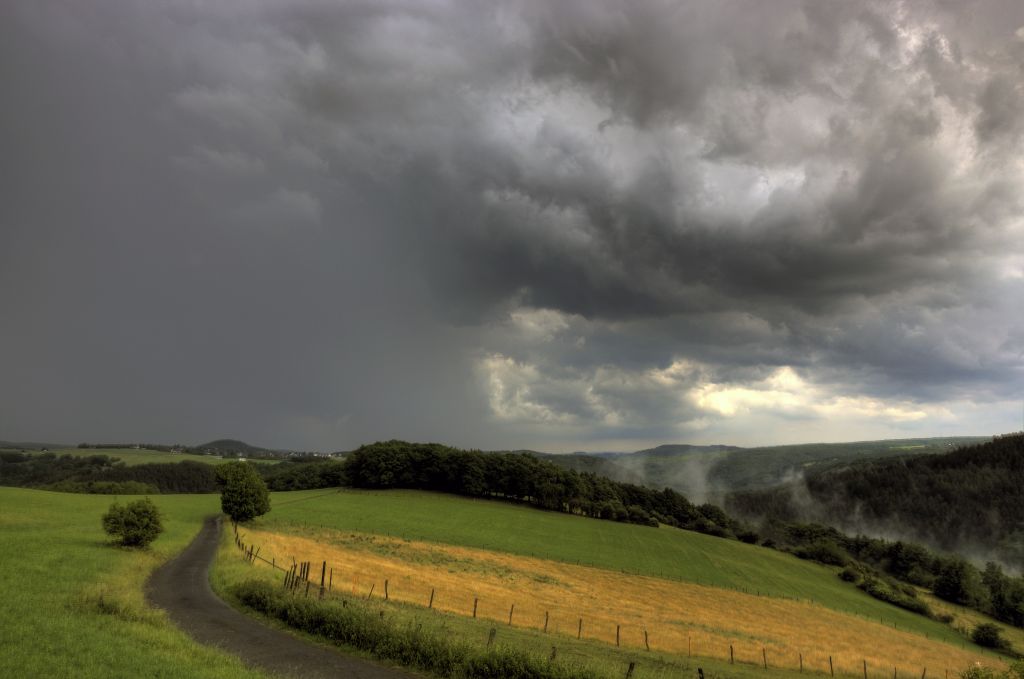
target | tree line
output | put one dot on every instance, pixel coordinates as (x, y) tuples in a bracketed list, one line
[(524, 478), (104, 474)]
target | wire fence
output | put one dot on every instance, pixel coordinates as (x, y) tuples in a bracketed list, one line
[(300, 577)]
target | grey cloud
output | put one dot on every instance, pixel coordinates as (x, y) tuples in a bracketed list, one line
[(328, 207)]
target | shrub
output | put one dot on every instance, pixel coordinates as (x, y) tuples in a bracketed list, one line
[(884, 592), (980, 672), (989, 635), (824, 551), (134, 525), (748, 536), (850, 574)]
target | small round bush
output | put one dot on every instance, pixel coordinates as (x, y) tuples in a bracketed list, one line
[(850, 574), (988, 635), (134, 525)]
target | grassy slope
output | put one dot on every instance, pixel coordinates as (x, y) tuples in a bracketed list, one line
[(606, 660), (72, 605), (132, 457), (664, 552)]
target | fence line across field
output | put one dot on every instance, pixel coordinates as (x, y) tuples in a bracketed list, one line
[(296, 578)]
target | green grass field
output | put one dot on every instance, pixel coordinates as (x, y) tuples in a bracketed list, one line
[(71, 605), (662, 552), (131, 456)]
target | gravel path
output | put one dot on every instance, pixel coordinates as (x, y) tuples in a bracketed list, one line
[(182, 588)]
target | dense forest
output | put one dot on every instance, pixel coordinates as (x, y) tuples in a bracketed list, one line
[(108, 475), (970, 500), (103, 474)]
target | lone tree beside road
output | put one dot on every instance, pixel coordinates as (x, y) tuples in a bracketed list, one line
[(135, 525), (243, 495)]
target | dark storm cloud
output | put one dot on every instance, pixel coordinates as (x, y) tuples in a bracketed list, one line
[(327, 222)]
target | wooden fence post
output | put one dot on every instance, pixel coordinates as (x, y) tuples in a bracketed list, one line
[(731, 660), (629, 671), (431, 604), (831, 671), (554, 652), (475, 600), (764, 654), (865, 669), (372, 585), (510, 611), (490, 637), (579, 630), (330, 580), (323, 575), (545, 622), (646, 645)]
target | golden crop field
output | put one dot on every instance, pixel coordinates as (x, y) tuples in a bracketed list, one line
[(679, 618)]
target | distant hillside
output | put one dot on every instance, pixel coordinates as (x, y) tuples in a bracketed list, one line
[(28, 445), (233, 448), (674, 449), (768, 466), (709, 472), (602, 466), (970, 500)]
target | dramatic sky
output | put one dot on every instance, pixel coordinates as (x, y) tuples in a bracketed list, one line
[(565, 225)]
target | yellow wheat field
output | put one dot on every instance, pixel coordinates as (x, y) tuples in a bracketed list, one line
[(679, 618)]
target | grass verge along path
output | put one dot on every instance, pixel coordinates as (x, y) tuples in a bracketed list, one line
[(71, 605)]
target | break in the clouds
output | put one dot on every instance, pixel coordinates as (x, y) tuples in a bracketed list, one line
[(524, 224)]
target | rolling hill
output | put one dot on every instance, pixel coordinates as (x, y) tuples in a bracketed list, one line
[(970, 500), (510, 554), (708, 473)]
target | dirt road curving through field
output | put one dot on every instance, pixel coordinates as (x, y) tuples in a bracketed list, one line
[(182, 588)]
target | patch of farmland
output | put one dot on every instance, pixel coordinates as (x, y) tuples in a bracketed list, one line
[(663, 552), (615, 608)]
